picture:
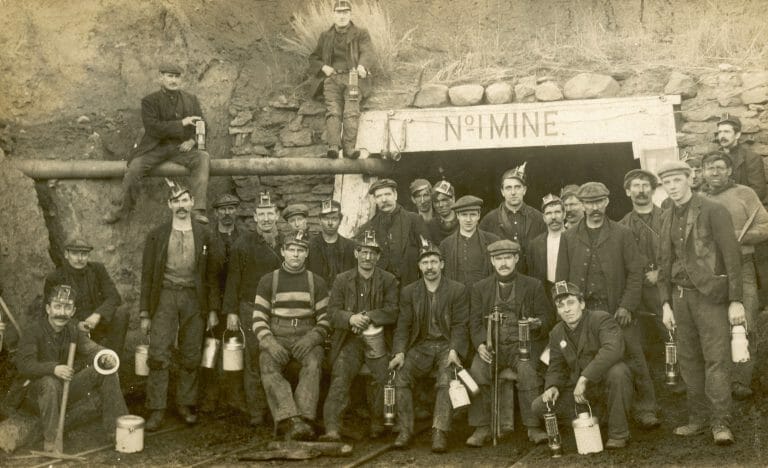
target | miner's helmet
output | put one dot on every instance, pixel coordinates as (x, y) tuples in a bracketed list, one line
[(428, 248), (731, 120), (177, 190), (564, 288), (299, 237), (342, 5), (330, 207), (265, 201), (62, 293), (368, 239)]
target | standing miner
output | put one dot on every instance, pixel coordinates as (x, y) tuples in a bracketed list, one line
[(747, 166), (179, 290), (586, 365), (42, 358), (340, 64), (601, 258), (398, 231), (466, 250), (266, 215), (291, 324), (513, 219), (361, 297), (445, 223), (516, 297), (431, 334), (574, 209), (701, 292), (545, 248), (296, 216), (421, 196), (750, 221), (97, 301), (170, 117), (329, 252)]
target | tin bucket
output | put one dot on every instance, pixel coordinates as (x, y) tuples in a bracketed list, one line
[(211, 348), (586, 430), (129, 434), (141, 356), (375, 346), (233, 352)]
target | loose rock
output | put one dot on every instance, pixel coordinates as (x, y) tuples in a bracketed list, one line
[(302, 137), (432, 95), (243, 117), (525, 89), (311, 107), (466, 95), (590, 86), (681, 84), (548, 91), (499, 93)]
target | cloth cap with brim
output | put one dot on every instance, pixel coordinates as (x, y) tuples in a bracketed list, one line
[(170, 67), (429, 249), (382, 183), (717, 156), (732, 120), (467, 203), (296, 209), (564, 288), (693, 161), (368, 239), (550, 199), (503, 246), (673, 167), (341, 5), (419, 184), (77, 244), (641, 174), (330, 207), (593, 191), (226, 200), (299, 238)]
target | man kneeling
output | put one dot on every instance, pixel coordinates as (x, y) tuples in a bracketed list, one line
[(42, 356), (586, 362)]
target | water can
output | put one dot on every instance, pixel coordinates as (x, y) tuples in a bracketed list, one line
[(468, 382), (141, 357), (375, 345), (234, 350), (739, 344), (129, 434), (211, 347), (586, 430), (458, 393)]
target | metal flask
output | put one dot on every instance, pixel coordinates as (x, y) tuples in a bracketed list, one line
[(670, 360), (200, 134), (739, 344), (586, 430), (375, 345), (524, 337), (553, 432), (233, 353), (389, 400), (353, 87), (458, 393), (211, 347), (140, 360), (469, 382)]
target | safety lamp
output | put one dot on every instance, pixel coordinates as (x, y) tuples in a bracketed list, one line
[(524, 337), (389, 401), (553, 432), (670, 360)]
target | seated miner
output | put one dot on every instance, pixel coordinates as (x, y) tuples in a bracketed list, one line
[(446, 222), (340, 65), (421, 196), (97, 302), (42, 359), (296, 216), (466, 250), (291, 324), (504, 298), (266, 215), (574, 209), (431, 335), (363, 299), (330, 253), (170, 118), (586, 365)]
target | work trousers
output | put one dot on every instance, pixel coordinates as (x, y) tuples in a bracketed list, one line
[(742, 371), (704, 356), (424, 357), (218, 385), (45, 394), (178, 313), (611, 398), (282, 401), (111, 334), (345, 368), (338, 106), (255, 400), (528, 387), (198, 162)]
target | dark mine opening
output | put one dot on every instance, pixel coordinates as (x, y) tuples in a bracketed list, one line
[(549, 168)]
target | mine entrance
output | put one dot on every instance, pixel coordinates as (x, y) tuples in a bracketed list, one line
[(477, 172)]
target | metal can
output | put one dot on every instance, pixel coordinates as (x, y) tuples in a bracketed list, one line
[(129, 434)]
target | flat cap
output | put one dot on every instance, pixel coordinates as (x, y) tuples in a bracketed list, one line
[(341, 5), (550, 199), (504, 246), (570, 190), (640, 174), (226, 200), (730, 119), (419, 184), (717, 156), (295, 209), (467, 203), (382, 183), (593, 191), (564, 288), (330, 207), (367, 239), (672, 167), (265, 201), (428, 248), (693, 160), (77, 244), (300, 238), (170, 67), (445, 188)]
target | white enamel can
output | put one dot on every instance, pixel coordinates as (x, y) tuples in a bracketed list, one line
[(129, 434)]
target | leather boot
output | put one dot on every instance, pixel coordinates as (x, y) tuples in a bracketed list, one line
[(439, 441), (155, 420)]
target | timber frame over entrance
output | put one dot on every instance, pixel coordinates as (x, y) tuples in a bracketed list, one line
[(647, 123)]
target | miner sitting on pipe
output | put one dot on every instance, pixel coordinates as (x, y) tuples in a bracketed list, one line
[(170, 117), (42, 359)]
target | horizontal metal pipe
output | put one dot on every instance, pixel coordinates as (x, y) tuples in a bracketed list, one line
[(87, 169)]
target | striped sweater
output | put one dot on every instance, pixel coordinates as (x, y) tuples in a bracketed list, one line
[(292, 301)]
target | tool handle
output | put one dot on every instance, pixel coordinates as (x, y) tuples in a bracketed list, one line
[(59, 443)]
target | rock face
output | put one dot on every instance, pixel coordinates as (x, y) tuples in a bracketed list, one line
[(466, 95), (499, 93), (591, 86), (681, 84), (432, 95), (548, 91)]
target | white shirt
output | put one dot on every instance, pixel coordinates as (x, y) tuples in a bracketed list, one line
[(553, 246)]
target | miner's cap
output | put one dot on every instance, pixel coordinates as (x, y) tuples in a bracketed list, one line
[(367, 239), (673, 167), (593, 191), (300, 238), (732, 120), (226, 200), (419, 184), (564, 288), (640, 173), (444, 187), (342, 5), (504, 246), (382, 183), (77, 244), (294, 210), (170, 67), (329, 207), (467, 203), (717, 156), (550, 199)]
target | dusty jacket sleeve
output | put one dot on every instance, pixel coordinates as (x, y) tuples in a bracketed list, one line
[(404, 323), (215, 263), (611, 350), (725, 239), (339, 317), (86, 347), (563, 262), (755, 173), (26, 359), (108, 290), (154, 126), (148, 271), (323, 324), (542, 310), (557, 372), (387, 313), (231, 303), (316, 57), (633, 265), (758, 230), (477, 313), (459, 321), (366, 56)]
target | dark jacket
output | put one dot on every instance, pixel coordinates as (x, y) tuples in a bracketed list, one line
[(493, 222), (162, 120), (529, 301), (646, 235), (450, 250), (94, 290), (452, 300), (359, 52), (318, 262), (600, 346), (748, 170), (399, 240), (713, 255), (618, 257), (536, 257), (208, 261), (251, 258), (223, 244), (343, 304)]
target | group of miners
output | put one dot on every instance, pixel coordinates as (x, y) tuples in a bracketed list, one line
[(426, 283)]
